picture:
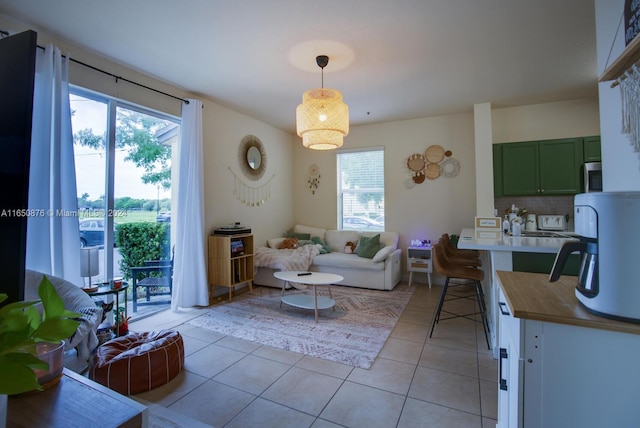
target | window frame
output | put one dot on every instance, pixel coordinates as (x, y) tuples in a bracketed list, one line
[(341, 192)]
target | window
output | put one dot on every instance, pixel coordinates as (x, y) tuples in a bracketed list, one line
[(361, 189)]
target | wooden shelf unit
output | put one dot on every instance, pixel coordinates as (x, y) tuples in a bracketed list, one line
[(227, 269), (628, 57)]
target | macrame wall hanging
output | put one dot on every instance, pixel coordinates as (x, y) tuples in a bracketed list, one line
[(630, 94), (251, 196)]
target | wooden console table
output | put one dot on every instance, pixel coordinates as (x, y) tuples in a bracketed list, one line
[(75, 402)]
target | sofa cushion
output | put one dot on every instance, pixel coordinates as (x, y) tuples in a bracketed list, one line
[(368, 246), (312, 231), (296, 235), (383, 253), (342, 260), (387, 238), (275, 242), (337, 239)]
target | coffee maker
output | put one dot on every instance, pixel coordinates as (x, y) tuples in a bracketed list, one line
[(608, 225)]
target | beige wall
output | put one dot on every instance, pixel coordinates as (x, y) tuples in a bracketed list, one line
[(426, 210), (223, 131)]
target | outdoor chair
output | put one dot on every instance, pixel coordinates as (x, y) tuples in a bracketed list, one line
[(156, 276)]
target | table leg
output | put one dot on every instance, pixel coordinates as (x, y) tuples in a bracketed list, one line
[(410, 277), (315, 301), (284, 284), (117, 312)]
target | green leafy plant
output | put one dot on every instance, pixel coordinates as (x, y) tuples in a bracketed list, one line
[(138, 242), (21, 327)]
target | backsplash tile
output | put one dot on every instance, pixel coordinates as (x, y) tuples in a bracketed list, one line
[(539, 205)]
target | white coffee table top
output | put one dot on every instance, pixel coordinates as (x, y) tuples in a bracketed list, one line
[(316, 278)]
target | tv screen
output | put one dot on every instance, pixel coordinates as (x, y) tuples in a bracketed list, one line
[(17, 71)]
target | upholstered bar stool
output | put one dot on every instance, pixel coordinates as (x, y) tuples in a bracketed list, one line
[(471, 257), (452, 271)]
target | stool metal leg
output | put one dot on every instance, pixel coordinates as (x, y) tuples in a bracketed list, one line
[(436, 315)]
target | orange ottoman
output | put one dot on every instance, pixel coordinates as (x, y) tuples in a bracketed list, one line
[(138, 362)]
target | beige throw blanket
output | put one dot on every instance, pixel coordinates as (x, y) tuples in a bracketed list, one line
[(298, 259)]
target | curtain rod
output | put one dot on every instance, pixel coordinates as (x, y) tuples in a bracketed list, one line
[(122, 78)]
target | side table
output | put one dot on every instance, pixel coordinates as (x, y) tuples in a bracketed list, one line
[(106, 289), (419, 260)]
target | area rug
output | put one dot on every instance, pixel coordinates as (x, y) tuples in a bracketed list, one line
[(353, 334)]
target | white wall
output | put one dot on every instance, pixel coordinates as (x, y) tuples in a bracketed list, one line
[(620, 164)]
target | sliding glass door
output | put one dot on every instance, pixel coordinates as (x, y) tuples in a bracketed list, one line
[(123, 167)]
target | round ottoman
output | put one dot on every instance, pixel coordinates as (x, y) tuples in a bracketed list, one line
[(138, 362)]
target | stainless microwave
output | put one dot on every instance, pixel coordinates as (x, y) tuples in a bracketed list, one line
[(593, 177)]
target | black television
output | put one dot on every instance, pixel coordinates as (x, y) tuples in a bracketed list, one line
[(17, 72)]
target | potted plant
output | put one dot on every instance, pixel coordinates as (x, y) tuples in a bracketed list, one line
[(22, 326), (121, 321)]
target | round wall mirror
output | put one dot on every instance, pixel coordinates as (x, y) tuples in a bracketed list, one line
[(253, 157)]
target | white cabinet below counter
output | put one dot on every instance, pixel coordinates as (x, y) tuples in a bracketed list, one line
[(561, 366)]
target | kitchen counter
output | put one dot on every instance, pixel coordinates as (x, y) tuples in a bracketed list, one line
[(532, 296), (471, 239), (496, 252)]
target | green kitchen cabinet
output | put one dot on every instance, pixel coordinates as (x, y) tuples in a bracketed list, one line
[(550, 167), (497, 170), (591, 149)]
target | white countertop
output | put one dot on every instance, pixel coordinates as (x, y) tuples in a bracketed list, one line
[(470, 239)]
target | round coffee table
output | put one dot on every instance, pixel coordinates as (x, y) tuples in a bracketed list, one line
[(314, 279)]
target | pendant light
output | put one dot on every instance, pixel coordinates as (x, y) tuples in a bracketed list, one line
[(322, 120)]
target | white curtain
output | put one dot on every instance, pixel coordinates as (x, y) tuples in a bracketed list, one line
[(53, 245), (189, 273)]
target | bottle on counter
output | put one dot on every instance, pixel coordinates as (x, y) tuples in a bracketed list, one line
[(516, 229), (506, 225)]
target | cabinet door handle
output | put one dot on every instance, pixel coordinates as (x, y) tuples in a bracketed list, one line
[(503, 381), (503, 308)]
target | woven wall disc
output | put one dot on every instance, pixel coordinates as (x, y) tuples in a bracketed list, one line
[(418, 177), (416, 162), (434, 153), (432, 171), (450, 167)]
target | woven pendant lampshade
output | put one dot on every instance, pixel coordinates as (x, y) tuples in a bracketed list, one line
[(322, 120)]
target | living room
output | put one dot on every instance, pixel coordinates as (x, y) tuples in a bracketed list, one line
[(421, 211)]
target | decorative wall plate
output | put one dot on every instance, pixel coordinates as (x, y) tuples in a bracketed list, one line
[(434, 154), (418, 177), (432, 171), (416, 162), (450, 167)]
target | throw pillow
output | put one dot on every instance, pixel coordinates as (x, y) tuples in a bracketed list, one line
[(324, 248), (301, 236), (383, 253), (368, 247)]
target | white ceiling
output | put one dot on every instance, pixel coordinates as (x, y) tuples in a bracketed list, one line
[(392, 59)]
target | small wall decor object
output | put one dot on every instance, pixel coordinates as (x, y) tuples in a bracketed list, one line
[(314, 178)]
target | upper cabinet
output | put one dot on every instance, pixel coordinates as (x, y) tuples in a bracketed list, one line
[(591, 149), (537, 168)]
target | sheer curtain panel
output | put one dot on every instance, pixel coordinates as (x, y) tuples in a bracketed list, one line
[(189, 274), (53, 245)]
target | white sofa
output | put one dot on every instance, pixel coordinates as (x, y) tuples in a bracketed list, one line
[(382, 272)]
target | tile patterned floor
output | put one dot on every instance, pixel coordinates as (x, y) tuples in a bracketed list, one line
[(448, 380)]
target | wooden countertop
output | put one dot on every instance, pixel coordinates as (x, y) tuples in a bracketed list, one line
[(532, 296)]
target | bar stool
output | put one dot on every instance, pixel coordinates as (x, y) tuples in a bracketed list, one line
[(457, 255), (452, 271)]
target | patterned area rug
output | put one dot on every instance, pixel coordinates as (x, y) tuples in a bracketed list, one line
[(353, 334)]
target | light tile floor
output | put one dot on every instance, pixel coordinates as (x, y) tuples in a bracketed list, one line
[(449, 380)]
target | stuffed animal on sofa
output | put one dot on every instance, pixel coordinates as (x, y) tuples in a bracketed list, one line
[(349, 247), (288, 243)]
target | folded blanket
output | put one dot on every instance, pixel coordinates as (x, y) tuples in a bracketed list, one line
[(297, 259)]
